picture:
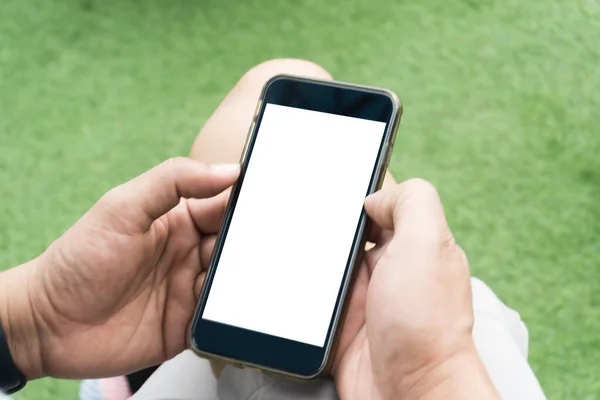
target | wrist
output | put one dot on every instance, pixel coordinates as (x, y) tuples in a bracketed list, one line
[(460, 375), (18, 316)]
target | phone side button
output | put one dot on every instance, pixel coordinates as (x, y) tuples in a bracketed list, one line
[(388, 155), (257, 108), (386, 161), (243, 157)]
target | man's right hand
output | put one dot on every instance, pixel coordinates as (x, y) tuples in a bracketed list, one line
[(416, 342)]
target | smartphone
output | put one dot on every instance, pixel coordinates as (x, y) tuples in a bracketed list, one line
[(295, 227)]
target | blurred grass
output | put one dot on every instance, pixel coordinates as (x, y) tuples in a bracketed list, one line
[(501, 113)]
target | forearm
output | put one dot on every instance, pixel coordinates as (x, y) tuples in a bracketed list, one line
[(17, 316), (462, 377)]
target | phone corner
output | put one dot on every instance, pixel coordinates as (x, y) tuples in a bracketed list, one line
[(394, 100), (399, 108), (320, 374), (322, 371), (272, 80), (192, 342), (192, 345)]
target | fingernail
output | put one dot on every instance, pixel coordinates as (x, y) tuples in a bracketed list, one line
[(226, 168)]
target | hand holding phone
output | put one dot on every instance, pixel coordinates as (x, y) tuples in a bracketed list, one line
[(417, 336), (287, 253)]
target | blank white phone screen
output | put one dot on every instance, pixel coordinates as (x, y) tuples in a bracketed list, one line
[(290, 236)]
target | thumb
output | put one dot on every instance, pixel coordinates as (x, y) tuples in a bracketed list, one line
[(152, 194), (412, 207)]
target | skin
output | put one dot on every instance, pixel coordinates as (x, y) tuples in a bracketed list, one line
[(118, 290)]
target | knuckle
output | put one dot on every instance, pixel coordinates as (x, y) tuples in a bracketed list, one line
[(462, 256), (462, 262), (178, 166), (114, 196), (414, 192), (175, 163), (420, 202), (426, 240), (447, 240), (419, 188)]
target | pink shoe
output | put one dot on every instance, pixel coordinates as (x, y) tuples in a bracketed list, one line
[(116, 388)]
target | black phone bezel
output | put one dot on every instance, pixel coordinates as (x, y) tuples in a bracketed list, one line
[(259, 350)]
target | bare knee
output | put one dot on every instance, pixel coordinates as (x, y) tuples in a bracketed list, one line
[(258, 75)]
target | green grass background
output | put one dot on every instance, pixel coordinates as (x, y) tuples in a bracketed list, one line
[(501, 103)]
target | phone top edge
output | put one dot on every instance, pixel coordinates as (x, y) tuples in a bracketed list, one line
[(391, 95)]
